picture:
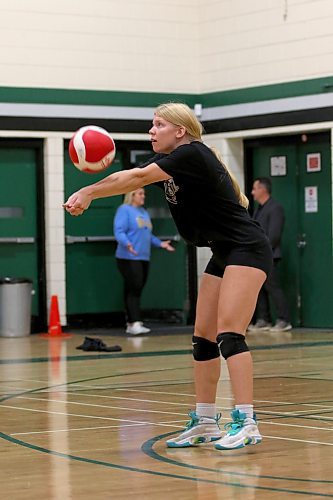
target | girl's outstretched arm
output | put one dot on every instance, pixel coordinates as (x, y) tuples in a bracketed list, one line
[(117, 183)]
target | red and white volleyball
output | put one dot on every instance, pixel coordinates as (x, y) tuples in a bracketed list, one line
[(92, 149)]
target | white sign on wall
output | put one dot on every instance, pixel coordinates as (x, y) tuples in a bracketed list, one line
[(311, 199), (278, 165)]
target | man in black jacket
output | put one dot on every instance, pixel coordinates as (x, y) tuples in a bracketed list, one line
[(270, 215)]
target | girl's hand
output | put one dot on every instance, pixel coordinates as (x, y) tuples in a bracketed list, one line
[(131, 249), (78, 202), (166, 245)]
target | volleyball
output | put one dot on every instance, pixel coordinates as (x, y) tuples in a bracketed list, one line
[(92, 149)]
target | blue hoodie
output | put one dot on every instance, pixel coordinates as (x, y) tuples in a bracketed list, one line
[(133, 225)]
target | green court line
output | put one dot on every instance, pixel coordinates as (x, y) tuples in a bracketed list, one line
[(294, 345), (177, 352), (147, 448), (133, 469), (19, 442), (100, 462), (96, 356)]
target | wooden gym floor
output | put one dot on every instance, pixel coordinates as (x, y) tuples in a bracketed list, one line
[(78, 425)]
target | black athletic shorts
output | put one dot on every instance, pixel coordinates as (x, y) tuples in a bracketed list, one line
[(258, 256)]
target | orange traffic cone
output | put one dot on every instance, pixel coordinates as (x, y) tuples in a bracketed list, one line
[(55, 329)]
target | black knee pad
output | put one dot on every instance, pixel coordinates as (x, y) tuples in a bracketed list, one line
[(231, 343), (204, 350)]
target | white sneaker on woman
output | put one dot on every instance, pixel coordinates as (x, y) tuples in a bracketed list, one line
[(241, 432), (199, 430), (136, 328)]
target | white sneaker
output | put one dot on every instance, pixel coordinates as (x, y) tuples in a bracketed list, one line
[(240, 432), (136, 328), (281, 326), (199, 430), (144, 328), (260, 326)]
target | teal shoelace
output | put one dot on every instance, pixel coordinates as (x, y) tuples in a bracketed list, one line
[(237, 422), (194, 420)]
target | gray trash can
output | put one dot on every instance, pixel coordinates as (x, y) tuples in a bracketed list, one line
[(15, 307)]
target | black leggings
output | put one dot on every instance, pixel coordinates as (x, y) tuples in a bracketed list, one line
[(135, 273)]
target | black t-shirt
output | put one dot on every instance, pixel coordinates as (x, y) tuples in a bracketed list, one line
[(202, 199)]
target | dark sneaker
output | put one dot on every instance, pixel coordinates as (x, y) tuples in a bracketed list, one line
[(91, 344)]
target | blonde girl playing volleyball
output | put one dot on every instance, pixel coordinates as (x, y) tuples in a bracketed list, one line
[(209, 210)]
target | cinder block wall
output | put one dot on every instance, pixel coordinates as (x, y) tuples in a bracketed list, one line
[(163, 45)]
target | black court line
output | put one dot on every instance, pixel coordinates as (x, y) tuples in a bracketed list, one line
[(308, 416), (177, 352), (272, 416), (40, 389), (300, 403)]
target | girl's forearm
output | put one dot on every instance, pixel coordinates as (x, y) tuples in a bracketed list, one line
[(116, 183)]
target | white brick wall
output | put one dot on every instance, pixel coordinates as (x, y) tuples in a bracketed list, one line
[(203, 256), (164, 45), (232, 153), (55, 222), (145, 45), (246, 44)]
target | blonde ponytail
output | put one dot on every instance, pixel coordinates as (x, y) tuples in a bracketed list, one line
[(180, 114), (242, 199)]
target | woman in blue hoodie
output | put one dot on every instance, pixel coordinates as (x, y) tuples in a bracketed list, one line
[(133, 232)]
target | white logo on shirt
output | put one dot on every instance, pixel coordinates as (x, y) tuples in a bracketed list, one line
[(171, 189)]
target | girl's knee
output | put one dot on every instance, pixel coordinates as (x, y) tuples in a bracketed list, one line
[(205, 332)]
